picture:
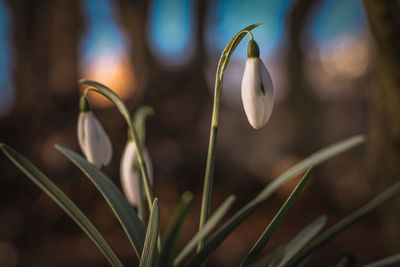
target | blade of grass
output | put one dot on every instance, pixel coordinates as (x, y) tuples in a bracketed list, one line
[(313, 160), (63, 201), (266, 260), (345, 261), (172, 233), (277, 220), (211, 223), (149, 254), (124, 212), (391, 261), (208, 176), (346, 222), (139, 118), (300, 240)]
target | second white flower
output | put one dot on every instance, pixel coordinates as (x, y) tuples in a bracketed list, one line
[(257, 89), (130, 172)]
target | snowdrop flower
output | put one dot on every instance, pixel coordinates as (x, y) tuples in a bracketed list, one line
[(130, 172), (93, 140), (257, 89)]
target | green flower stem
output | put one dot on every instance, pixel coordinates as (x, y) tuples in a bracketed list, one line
[(206, 199), (140, 204), (116, 100)]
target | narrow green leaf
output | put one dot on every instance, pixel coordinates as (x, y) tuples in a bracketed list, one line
[(346, 222), (300, 240), (124, 212), (277, 220), (139, 118), (211, 223), (117, 101), (313, 160), (172, 233), (345, 261), (63, 201), (149, 254), (391, 261), (266, 260)]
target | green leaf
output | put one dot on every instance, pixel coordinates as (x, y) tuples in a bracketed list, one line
[(125, 213), (345, 261), (117, 101), (139, 118), (277, 220), (63, 201), (299, 241), (211, 223), (313, 160), (391, 261), (266, 260), (149, 254), (346, 222), (172, 233)]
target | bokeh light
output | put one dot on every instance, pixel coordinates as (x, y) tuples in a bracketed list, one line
[(7, 94), (171, 31), (105, 51), (229, 16), (340, 50), (335, 21)]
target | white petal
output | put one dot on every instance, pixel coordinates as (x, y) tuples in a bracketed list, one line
[(129, 177), (96, 144), (80, 129), (257, 105)]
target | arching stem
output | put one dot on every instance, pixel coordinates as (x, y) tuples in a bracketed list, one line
[(208, 178)]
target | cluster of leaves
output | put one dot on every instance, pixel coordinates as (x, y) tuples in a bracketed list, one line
[(155, 249)]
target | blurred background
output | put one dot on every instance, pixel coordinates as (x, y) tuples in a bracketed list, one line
[(335, 68)]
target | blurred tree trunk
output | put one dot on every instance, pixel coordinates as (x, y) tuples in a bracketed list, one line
[(45, 59), (45, 35), (134, 17), (301, 100), (179, 94), (384, 128), (149, 72)]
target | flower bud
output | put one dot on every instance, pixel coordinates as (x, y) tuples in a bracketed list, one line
[(257, 89), (130, 172), (93, 140)]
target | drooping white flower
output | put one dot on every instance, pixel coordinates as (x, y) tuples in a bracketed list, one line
[(257, 89), (130, 172), (93, 140)]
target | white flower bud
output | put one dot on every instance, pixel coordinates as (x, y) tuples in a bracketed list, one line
[(93, 140), (130, 172), (257, 90)]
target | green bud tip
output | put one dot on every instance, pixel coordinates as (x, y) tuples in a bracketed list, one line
[(130, 135), (187, 196), (84, 104), (253, 50)]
